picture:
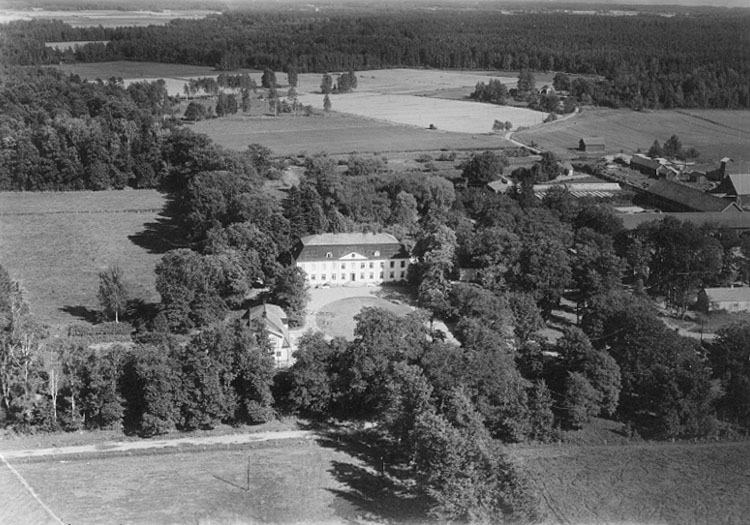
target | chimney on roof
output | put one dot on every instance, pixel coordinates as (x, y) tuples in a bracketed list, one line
[(723, 168)]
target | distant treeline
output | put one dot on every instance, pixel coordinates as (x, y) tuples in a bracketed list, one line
[(651, 61)]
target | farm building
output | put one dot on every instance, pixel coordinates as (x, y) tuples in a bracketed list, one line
[(645, 165), (736, 186), (343, 258), (728, 299), (581, 189), (546, 90), (277, 326), (673, 196), (732, 221), (591, 144), (501, 185)]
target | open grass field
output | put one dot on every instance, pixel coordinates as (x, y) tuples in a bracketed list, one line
[(714, 133), (337, 318), (646, 484), (295, 482), (336, 134), (55, 244)]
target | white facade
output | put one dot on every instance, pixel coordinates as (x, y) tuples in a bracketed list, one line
[(354, 267)]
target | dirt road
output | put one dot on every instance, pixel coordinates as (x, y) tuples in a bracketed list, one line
[(125, 446)]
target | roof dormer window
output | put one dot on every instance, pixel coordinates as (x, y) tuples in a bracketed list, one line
[(329, 255), (376, 253)]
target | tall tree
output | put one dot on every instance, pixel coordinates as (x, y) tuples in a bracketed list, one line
[(113, 292)]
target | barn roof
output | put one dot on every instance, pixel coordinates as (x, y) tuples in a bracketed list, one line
[(645, 162), (733, 221), (724, 295), (688, 197), (740, 184), (593, 141)]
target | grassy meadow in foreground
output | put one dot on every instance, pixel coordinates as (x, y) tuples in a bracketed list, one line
[(662, 483), (296, 482)]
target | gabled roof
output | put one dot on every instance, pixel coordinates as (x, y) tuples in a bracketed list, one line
[(593, 141), (645, 162), (724, 295), (740, 184), (274, 318), (688, 197), (336, 245)]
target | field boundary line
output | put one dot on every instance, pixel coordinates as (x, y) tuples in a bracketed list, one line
[(31, 490)]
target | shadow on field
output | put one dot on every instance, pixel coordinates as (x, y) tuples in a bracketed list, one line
[(163, 235), (395, 293), (83, 312), (378, 487)]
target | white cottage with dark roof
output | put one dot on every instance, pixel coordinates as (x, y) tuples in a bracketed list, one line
[(343, 258)]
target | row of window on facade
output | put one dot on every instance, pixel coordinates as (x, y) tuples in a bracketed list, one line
[(353, 265), (329, 255), (324, 277)]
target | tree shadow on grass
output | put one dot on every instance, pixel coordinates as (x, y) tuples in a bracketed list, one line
[(165, 233), (381, 487), (83, 313), (394, 293)]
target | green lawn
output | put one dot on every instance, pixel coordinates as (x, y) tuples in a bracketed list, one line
[(293, 482), (337, 318), (55, 244), (641, 483)]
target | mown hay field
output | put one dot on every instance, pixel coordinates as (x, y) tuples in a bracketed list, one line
[(642, 483), (335, 134), (294, 482), (460, 116), (55, 244), (714, 133)]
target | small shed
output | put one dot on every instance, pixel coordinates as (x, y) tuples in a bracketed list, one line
[(592, 144), (727, 299)]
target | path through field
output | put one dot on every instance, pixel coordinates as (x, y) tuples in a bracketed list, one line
[(147, 444)]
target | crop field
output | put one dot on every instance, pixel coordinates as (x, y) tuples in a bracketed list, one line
[(714, 133), (143, 70), (292, 483), (102, 17), (335, 134), (451, 115), (55, 244), (642, 484)]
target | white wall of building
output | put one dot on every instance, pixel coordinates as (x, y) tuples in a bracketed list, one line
[(354, 268)]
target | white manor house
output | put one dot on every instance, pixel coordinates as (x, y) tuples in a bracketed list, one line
[(343, 258)]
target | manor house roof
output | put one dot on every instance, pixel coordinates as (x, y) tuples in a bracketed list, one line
[(337, 245)]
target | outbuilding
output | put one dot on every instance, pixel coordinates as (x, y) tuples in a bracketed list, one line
[(592, 144), (727, 299)]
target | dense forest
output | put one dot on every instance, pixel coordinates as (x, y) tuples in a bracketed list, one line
[(641, 61)]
